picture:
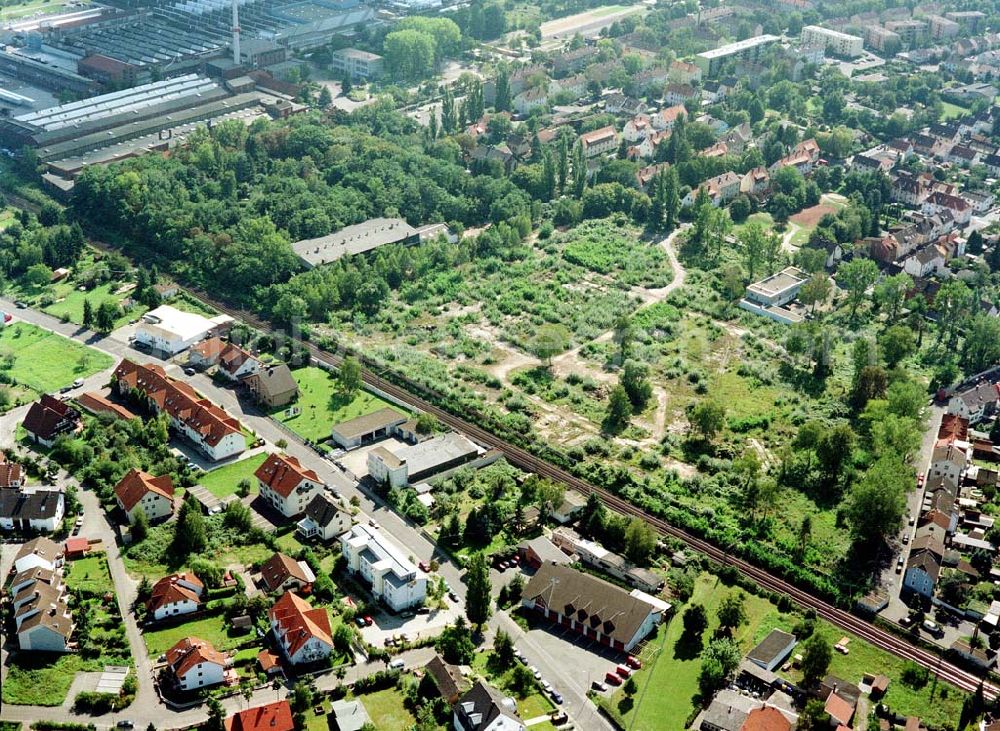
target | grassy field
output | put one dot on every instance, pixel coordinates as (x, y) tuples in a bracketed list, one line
[(224, 481), (16, 10), (387, 711), (323, 405), (211, 629), (937, 705), (89, 574), (70, 302), (952, 111), (669, 678), (42, 679), (45, 362)]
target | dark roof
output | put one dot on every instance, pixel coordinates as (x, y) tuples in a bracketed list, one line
[(447, 678), (274, 380), (772, 647), (48, 417), (35, 505), (590, 600), (322, 510), (481, 706)]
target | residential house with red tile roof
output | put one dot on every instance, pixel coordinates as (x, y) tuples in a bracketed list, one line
[(11, 474), (94, 403), (302, 632), (766, 718), (275, 716), (175, 595), (139, 490), (235, 362), (286, 484), (217, 434), (196, 664), (599, 141), (206, 353)]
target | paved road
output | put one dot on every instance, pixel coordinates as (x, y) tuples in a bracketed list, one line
[(147, 708)]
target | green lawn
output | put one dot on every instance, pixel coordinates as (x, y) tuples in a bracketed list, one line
[(937, 705), (70, 302), (289, 543), (669, 678), (44, 361), (323, 405), (28, 8), (211, 629), (387, 711), (89, 574), (43, 679), (224, 481), (319, 721), (952, 111)]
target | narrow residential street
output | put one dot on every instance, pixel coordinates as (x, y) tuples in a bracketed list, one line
[(148, 709)]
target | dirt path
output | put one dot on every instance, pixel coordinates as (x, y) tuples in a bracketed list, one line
[(570, 361), (786, 240)]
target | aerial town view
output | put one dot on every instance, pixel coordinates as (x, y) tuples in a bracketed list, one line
[(494, 365)]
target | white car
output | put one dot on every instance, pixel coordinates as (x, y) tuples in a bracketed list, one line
[(546, 686), (397, 665), (535, 671)]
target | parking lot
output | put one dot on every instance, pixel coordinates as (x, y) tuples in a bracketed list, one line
[(356, 460), (389, 625), (582, 659)]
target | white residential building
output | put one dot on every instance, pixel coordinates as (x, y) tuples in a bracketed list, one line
[(837, 43), (382, 563), (286, 484), (173, 331)]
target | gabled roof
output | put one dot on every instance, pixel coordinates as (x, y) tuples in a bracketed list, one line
[(299, 622), (190, 652), (136, 484), (840, 710), (767, 718), (927, 562), (275, 716), (590, 600), (46, 417), (273, 380), (209, 349), (10, 473), (283, 473), (95, 403), (169, 590), (481, 706), (322, 510), (179, 400), (447, 678), (32, 504), (280, 568), (232, 358), (42, 547)]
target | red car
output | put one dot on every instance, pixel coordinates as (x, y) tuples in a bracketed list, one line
[(424, 566), (613, 679), (633, 662), (369, 621), (623, 671)]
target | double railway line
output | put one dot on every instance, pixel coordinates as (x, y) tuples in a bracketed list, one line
[(524, 459)]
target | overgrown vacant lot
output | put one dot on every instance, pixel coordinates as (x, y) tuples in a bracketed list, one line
[(43, 361)]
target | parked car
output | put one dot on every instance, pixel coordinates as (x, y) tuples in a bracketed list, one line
[(20, 305), (368, 621), (633, 662), (623, 671), (612, 679), (546, 686), (906, 539), (599, 686), (899, 565), (360, 621), (933, 628), (125, 723), (536, 672), (557, 699), (453, 596), (189, 371), (423, 610), (397, 665), (77, 383), (424, 566)]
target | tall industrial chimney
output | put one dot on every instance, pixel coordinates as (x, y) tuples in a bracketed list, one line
[(236, 32)]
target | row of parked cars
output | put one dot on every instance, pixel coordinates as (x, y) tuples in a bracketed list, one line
[(554, 694), (619, 674)]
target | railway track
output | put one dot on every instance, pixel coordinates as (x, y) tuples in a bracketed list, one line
[(524, 459)]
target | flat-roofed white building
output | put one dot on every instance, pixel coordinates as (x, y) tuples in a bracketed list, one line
[(711, 62), (833, 41), (399, 466), (173, 331), (385, 565), (769, 296)]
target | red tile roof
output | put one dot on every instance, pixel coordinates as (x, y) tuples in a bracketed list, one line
[(767, 718), (76, 544), (10, 473), (192, 651), (232, 357), (136, 484), (275, 716), (168, 590), (209, 349), (95, 403), (268, 660), (283, 473), (839, 709), (179, 400), (300, 622)]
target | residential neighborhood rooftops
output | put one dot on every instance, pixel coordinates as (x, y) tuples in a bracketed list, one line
[(300, 622)]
